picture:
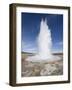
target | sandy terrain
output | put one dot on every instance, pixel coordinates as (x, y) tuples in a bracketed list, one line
[(41, 68)]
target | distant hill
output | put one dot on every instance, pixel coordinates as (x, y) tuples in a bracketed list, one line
[(35, 53)]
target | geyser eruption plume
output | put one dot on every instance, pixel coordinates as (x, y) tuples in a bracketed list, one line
[(44, 42)]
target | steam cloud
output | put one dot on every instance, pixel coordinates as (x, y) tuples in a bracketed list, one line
[(44, 42)]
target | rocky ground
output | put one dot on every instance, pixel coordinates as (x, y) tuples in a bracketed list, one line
[(41, 68)]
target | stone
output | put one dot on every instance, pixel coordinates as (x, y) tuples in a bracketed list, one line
[(48, 69)]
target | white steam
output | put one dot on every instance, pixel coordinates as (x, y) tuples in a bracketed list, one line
[(44, 42)]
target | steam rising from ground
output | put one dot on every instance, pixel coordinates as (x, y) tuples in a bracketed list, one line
[(44, 42)]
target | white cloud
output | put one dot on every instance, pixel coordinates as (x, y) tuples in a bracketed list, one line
[(27, 47), (59, 43), (57, 51)]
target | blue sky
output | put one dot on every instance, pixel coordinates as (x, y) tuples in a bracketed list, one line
[(31, 26)]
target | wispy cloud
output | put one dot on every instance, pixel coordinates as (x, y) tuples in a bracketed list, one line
[(57, 50), (28, 47), (58, 47), (59, 43)]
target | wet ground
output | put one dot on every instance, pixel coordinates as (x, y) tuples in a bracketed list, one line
[(41, 68)]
